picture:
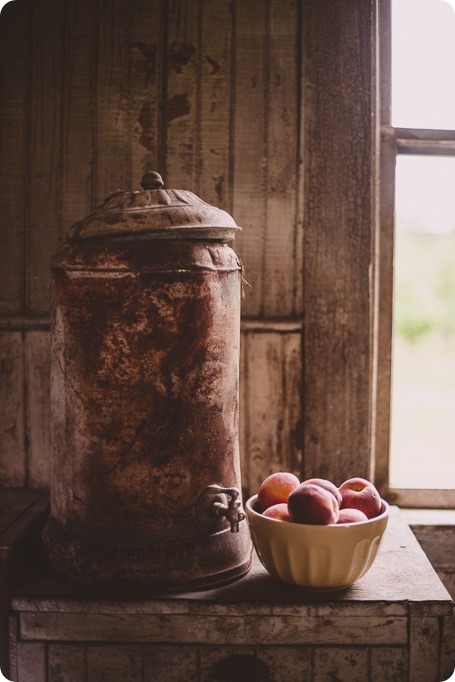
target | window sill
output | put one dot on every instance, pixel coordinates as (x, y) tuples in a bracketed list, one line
[(429, 517)]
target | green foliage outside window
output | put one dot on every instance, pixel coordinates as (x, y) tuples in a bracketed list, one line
[(424, 288)]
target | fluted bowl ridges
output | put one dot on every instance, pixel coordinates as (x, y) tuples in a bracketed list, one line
[(318, 557)]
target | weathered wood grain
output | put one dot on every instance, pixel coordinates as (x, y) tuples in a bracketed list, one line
[(389, 664), (265, 399), (181, 108), (66, 662), (37, 383), (248, 145), (383, 266), (14, 79), (282, 275), (266, 153), (338, 141), (438, 543), (447, 575), (345, 664), (287, 663), (169, 662), (213, 145), (403, 572), (10, 647), (424, 643), (114, 664), (271, 401), (46, 166), (31, 661), (447, 630), (111, 128), (12, 410), (145, 85), (212, 629), (293, 404), (79, 102)]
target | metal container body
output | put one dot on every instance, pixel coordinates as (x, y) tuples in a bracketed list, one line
[(144, 400)]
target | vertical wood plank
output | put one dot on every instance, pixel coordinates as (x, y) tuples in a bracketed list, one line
[(45, 190), (265, 400), (81, 23), (339, 142), (287, 663), (14, 75), (10, 669), (383, 264), (248, 145), (66, 662), (343, 664), (272, 410), (31, 662), (12, 426), (37, 371), (112, 147), (389, 664), (292, 407), (114, 664), (170, 662), (4, 609), (181, 108), (424, 650), (215, 70), (145, 88), (448, 646), (282, 276), (382, 367)]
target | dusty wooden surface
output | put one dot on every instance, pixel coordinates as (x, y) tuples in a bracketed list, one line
[(386, 627), (401, 575)]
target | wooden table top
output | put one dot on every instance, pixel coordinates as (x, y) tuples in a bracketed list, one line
[(400, 579)]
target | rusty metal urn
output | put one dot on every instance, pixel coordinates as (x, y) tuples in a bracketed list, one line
[(144, 396)]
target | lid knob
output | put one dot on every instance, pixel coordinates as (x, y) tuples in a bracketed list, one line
[(152, 180)]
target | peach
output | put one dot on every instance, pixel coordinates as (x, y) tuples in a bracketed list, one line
[(351, 516), (358, 493), (276, 488), (277, 511), (328, 485), (312, 504)]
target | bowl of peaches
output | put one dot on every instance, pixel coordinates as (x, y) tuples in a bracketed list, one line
[(315, 534)]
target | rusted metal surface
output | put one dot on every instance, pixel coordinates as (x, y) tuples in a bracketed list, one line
[(144, 401), (157, 212)]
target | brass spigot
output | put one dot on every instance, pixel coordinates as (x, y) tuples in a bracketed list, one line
[(232, 511)]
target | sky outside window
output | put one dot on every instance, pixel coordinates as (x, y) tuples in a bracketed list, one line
[(423, 64), (423, 358)]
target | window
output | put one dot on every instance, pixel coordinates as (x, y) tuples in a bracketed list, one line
[(415, 459)]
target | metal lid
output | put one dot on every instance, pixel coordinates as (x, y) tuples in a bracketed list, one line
[(155, 213)]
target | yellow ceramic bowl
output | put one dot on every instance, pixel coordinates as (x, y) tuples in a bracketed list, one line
[(313, 556)]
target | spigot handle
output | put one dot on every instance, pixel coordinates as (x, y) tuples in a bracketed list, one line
[(233, 511), (217, 489)]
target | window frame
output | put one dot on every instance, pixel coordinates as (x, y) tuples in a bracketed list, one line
[(394, 141)]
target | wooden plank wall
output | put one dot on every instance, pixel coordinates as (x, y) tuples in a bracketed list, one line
[(339, 200), (211, 94)]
